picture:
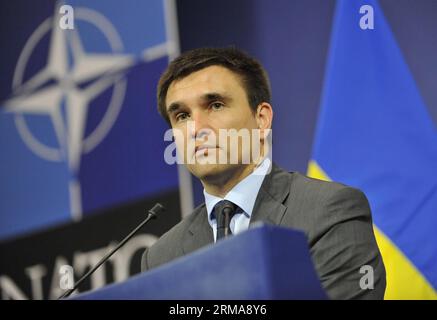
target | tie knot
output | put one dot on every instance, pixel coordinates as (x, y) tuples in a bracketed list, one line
[(224, 211)]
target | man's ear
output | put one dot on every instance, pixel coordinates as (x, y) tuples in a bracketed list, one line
[(264, 116)]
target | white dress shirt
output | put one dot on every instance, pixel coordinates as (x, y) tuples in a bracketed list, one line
[(243, 195)]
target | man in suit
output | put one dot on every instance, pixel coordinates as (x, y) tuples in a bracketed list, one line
[(207, 90)]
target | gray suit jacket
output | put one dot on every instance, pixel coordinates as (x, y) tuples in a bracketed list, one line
[(335, 218)]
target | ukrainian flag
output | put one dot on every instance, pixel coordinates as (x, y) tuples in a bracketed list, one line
[(374, 132)]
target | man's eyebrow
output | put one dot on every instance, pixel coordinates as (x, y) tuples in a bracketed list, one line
[(211, 96), (207, 97), (172, 108)]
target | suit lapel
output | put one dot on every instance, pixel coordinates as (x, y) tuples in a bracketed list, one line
[(199, 232), (274, 191)]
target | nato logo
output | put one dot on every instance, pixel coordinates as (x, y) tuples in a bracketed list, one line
[(58, 115), (63, 90)]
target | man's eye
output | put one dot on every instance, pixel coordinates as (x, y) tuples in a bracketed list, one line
[(216, 105), (181, 116)]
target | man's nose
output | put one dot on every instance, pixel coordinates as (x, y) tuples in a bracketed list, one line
[(200, 126)]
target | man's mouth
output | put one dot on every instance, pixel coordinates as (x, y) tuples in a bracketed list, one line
[(203, 148)]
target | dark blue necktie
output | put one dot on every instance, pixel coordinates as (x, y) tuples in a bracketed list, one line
[(224, 211)]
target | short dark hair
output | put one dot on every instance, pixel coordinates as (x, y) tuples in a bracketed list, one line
[(254, 78)]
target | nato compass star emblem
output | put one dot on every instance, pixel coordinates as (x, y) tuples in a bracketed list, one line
[(63, 91)]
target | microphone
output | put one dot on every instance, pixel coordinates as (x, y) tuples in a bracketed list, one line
[(157, 208)]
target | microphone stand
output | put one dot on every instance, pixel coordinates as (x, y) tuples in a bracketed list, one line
[(152, 215)]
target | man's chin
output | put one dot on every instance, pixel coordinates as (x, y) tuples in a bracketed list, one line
[(211, 171)]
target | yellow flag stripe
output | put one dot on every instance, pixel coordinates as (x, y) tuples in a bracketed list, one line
[(404, 280)]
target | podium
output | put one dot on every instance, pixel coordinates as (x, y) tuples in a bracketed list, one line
[(263, 263)]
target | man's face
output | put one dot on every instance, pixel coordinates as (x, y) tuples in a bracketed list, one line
[(198, 106)]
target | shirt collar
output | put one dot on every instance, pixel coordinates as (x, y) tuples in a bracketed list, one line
[(244, 193)]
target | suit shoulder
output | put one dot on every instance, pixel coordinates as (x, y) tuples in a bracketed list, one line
[(322, 190), (167, 247), (180, 228), (328, 203)]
